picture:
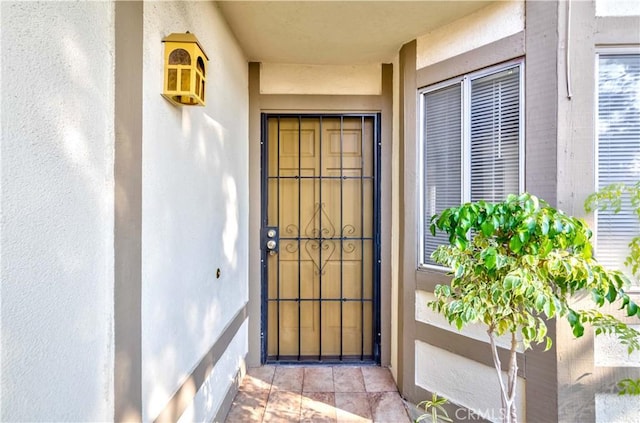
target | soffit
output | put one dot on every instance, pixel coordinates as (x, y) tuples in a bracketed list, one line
[(335, 32)]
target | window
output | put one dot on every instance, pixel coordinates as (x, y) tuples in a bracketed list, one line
[(471, 143), (618, 150)]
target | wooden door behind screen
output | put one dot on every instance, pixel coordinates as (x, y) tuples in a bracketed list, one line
[(320, 284)]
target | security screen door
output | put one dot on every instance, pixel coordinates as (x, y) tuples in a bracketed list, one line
[(320, 270)]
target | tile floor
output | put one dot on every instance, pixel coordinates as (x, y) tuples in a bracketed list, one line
[(318, 394)]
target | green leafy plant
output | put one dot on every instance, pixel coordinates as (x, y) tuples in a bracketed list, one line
[(434, 408), (611, 198), (629, 387), (517, 263)]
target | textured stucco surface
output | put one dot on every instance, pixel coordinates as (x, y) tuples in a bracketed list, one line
[(278, 78), (491, 23), (395, 220), (194, 204), (613, 408), (463, 381), (617, 8), (57, 211), (210, 396), (609, 352), (588, 368)]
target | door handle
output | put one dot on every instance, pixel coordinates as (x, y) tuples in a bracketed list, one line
[(271, 239)]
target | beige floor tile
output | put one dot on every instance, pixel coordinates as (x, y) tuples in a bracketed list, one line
[(258, 379), (318, 407), (247, 407), (378, 379), (352, 407), (283, 406), (388, 407), (318, 394), (288, 378), (318, 379), (348, 379), (264, 373)]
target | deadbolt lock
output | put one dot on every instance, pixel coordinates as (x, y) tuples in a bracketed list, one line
[(271, 239)]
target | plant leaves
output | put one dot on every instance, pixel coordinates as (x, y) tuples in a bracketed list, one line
[(489, 256), (487, 227), (541, 300), (515, 244), (578, 330)]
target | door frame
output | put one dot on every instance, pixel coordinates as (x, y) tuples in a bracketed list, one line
[(376, 262), (383, 103)]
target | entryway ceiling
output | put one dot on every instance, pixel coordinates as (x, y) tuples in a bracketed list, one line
[(335, 32)]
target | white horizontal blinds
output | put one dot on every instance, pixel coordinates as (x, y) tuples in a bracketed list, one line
[(618, 151), (442, 149), (494, 123)]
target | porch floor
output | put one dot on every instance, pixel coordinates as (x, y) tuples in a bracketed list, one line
[(318, 394)]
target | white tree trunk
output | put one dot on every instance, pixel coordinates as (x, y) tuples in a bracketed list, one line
[(508, 392)]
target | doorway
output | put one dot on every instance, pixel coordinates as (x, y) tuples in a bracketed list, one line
[(320, 238)]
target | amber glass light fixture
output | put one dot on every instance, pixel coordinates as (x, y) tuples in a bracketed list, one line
[(185, 70)]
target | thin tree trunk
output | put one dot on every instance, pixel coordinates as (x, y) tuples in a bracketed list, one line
[(508, 393), (513, 377), (504, 396)]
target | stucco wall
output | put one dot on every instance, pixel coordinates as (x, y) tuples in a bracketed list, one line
[(57, 211), (276, 78), (491, 23), (210, 397), (617, 8), (464, 382), (588, 368), (395, 219), (194, 209)]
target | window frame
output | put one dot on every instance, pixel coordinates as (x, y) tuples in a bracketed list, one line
[(465, 170), (610, 50)]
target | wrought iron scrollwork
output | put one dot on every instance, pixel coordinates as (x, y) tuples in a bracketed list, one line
[(327, 246), (348, 230), (292, 229), (327, 231), (348, 247), (291, 247), (326, 242)]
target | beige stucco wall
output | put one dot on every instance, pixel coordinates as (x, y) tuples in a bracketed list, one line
[(194, 215), (496, 21), (277, 78), (609, 352), (395, 218), (464, 382), (57, 217), (617, 8), (590, 367)]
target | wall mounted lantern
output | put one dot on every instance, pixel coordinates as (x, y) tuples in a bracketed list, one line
[(185, 70)]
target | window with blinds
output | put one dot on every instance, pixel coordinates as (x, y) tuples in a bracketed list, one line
[(495, 135), (618, 141), (442, 159), (472, 141)]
